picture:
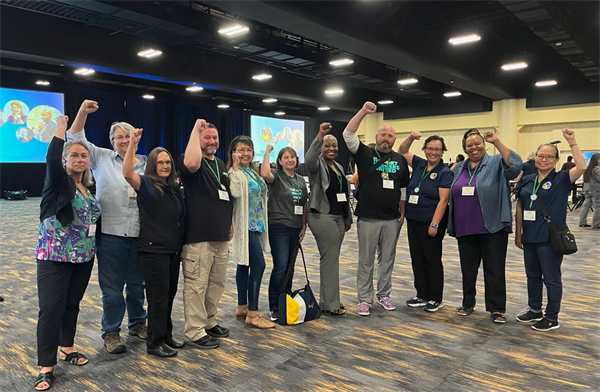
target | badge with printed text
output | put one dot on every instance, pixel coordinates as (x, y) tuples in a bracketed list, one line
[(547, 185)]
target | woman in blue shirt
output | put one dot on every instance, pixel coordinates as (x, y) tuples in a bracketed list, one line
[(428, 192), (532, 234)]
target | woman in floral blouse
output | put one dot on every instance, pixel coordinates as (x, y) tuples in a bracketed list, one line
[(65, 251), (250, 228)]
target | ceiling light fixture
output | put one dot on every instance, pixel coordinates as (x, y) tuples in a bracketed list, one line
[(545, 83), (262, 76), (452, 94), (193, 89), (269, 100), (42, 82), (464, 39), (279, 113), (148, 53), (148, 96), (337, 63), (234, 30), (407, 81), (323, 108), (334, 91), (84, 71), (223, 106), (385, 102), (513, 66)]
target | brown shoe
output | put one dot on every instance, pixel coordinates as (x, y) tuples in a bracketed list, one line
[(113, 343), (140, 330), (242, 311), (259, 322)]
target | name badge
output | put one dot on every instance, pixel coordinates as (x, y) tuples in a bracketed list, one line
[(413, 199), (223, 195), (131, 192), (92, 230), (341, 197), (468, 190), (388, 184), (298, 210), (529, 215)]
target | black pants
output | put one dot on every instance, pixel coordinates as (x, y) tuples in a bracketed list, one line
[(492, 249), (61, 287), (161, 272), (426, 255)]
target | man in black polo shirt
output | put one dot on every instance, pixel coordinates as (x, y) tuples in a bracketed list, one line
[(383, 175), (208, 231)]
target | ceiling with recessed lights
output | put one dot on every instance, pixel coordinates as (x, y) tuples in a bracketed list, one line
[(309, 55)]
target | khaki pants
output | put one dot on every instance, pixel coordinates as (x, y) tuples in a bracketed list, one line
[(204, 270)]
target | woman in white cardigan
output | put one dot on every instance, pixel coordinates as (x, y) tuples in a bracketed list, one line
[(250, 228)]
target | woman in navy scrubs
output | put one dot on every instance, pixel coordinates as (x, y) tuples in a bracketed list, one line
[(428, 193), (532, 235)]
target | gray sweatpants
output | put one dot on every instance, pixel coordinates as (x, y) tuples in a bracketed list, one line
[(381, 236)]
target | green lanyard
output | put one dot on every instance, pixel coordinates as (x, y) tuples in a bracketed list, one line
[(474, 172), (217, 174), (536, 186), (339, 177), (292, 182), (379, 156), (425, 174), (253, 175)]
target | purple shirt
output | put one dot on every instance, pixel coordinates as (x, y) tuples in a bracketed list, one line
[(468, 219)]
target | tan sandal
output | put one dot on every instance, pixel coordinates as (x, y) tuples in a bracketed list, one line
[(259, 322), (241, 311)]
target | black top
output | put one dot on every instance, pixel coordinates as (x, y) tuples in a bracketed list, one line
[(529, 168), (208, 218), (335, 207), (374, 201)]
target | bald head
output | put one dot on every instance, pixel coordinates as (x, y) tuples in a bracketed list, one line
[(385, 138)]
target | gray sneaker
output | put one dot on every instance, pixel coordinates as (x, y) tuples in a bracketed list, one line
[(140, 330), (113, 343)]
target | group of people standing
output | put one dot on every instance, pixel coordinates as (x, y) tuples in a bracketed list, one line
[(149, 227)]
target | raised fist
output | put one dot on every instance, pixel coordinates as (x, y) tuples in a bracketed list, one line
[(269, 149), (568, 135), (325, 128), (136, 135), (415, 136), (62, 121), (88, 106), (369, 107), (200, 125), (490, 137)]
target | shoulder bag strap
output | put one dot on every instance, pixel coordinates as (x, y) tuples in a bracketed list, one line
[(379, 163)]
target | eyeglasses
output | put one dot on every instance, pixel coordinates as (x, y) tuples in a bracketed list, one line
[(429, 149), (545, 157), (119, 138), (243, 151), (163, 163)]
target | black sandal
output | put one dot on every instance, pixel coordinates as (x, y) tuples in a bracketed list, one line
[(337, 312), (498, 318), (44, 377), (74, 358), (462, 311)]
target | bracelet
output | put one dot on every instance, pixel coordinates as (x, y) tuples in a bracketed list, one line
[(572, 145)]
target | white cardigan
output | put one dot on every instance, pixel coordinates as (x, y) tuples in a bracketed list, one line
[(238, 184)]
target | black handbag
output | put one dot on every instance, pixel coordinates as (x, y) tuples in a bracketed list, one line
[(562, 241), (299, 306)]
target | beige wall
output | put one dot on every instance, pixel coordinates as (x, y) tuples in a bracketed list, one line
[(521, 129)]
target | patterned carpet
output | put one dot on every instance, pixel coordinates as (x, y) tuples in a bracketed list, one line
[(404, 350)]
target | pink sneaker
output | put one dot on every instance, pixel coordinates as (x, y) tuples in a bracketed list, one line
[(387, 303), (364, 309)]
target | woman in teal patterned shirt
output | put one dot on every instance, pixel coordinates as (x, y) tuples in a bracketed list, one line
[(65, 251)]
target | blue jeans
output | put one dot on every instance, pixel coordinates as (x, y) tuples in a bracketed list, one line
[(248, 277), (118, 265), (542, 266), (284, 249)]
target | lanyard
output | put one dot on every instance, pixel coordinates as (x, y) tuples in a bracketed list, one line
[(292, 182), (536, 186), (339, 176), (379, 156), (217, 174), (253, 175), (474, 172), (425, 174)]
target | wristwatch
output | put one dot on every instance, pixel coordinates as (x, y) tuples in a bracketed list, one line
[(434, 225)]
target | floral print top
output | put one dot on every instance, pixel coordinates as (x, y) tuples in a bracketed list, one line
[(71, 243), (256, 210)]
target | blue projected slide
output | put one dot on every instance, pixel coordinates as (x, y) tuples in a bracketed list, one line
[(27, 124), (279, 132), (587, 156)]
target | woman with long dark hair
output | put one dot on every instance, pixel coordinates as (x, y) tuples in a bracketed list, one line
[(591, 189)]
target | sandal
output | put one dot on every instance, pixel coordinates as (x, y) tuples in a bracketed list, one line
[(337, 312), (498, 317), (241, 312), (259, 322), (74, 358), (462, 311), (47, 378), (342, 306)]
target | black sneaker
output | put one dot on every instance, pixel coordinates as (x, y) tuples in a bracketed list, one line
[(274, 315), (529, 316), (206, 342), (545, 325), (218, 332), (416, 302), (433, 306)]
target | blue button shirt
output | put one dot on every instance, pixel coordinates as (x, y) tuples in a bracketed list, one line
[(120, 214), (429, 190)]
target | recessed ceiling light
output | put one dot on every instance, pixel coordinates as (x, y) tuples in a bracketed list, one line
[(234, 30), (545, 83), (42, 82), (452, 94), (407, 81), (464, 39), (223, 106), (324, 108), (148, 53), (339, 62), (269, 100), (558, 43), (84, 71), (262, 76), (385, 102), (512, 66), (194, 88), (279, 113), (148, 96), (334, 91)]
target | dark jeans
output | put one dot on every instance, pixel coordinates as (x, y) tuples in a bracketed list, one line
[(161, 272), (60, 289), (492, 249), (248, 277), (119, 267), (542, 266), (426, 255), (284, 249)]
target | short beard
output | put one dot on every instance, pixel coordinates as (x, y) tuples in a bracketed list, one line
[(207, 151), (382, 149)]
